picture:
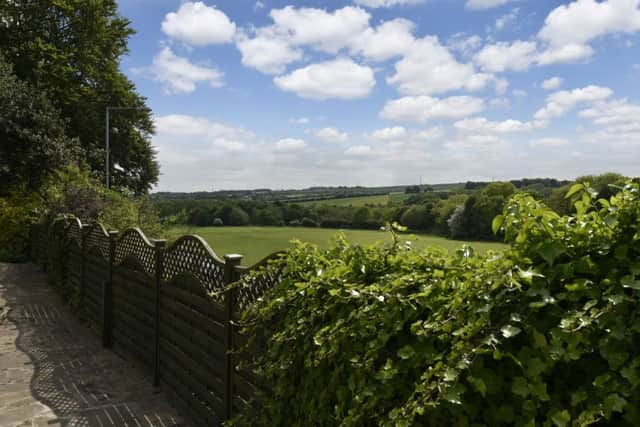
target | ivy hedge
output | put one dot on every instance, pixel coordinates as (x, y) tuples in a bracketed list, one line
[(545, 333)]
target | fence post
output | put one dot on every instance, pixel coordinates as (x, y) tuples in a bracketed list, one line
[(107, 294), (83, 268), (159, 261), (230, 276)]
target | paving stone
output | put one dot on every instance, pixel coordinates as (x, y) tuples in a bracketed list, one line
[(54, 372)]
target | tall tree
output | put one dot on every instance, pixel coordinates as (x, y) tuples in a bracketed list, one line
[(32, 138), (71, 50)]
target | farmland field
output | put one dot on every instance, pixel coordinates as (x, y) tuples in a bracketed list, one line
[(257, 242), (378, 200)]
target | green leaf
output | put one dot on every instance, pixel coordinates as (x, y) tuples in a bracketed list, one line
[(550, 251), (630, 282), (561, 418), (454, 394), (510, 331), (575, 188), (614, 403), (496, 224), (406, 352), (520, 387)]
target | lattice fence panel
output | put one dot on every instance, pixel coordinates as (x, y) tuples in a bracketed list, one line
[(252, 286), (191, 254), (133, 314), (192, 348), (97, 239), (134, 244)]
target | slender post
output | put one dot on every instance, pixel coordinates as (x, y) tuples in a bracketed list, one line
[(159, 260), (106, 143), (83, 267), (107, 294), (230, 276)]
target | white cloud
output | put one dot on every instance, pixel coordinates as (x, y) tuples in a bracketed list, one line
[(199, 25), (481, 125), (389, 39), (268, 52), (181, 76), (485, 4), (299, 120), (328, 32), (548, 142), (389, 134), (559, 103), (359, 151), (565, 54), (423, 108), (502, 56), (618, 116), (464, 44), (340, 78), (219, 135), (636, 67), (290, 144), (385, 3), (506, 19), (584, 20), (429, 68), (330, 134), (401, 134), (519, 93), (552, 83)]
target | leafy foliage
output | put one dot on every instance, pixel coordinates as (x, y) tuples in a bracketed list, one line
[(70, 50), (32, 137), (545, 333)]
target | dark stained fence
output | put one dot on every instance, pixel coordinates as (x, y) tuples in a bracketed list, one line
[(170, 309)]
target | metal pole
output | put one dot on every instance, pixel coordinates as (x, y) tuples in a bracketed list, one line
[(106, 139)]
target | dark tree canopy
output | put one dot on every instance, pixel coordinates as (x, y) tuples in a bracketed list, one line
[(71, 50), (32, 138)]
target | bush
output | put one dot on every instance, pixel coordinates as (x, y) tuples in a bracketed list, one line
[(17, 212), (544, 333), (217, 222), (308, 222)]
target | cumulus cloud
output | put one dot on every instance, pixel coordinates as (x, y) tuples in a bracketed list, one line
[(503, 56), (268, 51), (340, 78), (506, 19), (325, 31), (359, 151), (552, 83), (199, 25), (299, 120), (481, 125), (179, 75), (290, 144), (485, 4), (385, 3), (429, 68), (330, 134), (619, 120), (464, 44), (175, 127), (566, 54), (584, 20), (387, 40), (560, 103), (401, 134), (422, 108)]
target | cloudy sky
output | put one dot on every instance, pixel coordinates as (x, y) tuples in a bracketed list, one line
[(286, 94)]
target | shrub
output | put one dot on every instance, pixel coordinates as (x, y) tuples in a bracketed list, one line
[(217, 222), (544, 333), (308, 222)]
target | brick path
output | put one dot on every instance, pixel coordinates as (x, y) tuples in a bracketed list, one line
[(53, 371)]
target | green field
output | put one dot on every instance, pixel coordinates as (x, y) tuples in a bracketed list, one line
[(257, 242), (379, 200)]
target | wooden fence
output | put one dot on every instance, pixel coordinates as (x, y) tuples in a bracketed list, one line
[(169, 308)]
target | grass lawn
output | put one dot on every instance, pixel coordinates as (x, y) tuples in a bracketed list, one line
[(380, 200), (257, 242)]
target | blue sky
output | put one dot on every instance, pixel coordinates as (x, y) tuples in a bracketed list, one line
[(283, 94)]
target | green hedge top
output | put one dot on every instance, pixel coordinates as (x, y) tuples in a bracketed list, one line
[(545, 333)]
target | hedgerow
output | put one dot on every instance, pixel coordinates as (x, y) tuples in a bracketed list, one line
[(544, 333)]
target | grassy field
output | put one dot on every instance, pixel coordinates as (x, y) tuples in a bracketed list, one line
[(257, 242), (379, 200)]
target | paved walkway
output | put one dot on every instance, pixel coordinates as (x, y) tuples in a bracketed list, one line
[(53, 371)]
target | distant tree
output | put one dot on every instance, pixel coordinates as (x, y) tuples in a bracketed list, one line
[(237, 216), (71, 50), (33, 142), (412, 189)]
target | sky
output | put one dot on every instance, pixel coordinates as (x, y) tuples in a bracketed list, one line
[(291, 94)]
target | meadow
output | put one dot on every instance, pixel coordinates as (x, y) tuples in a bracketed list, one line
[(254, 243)]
